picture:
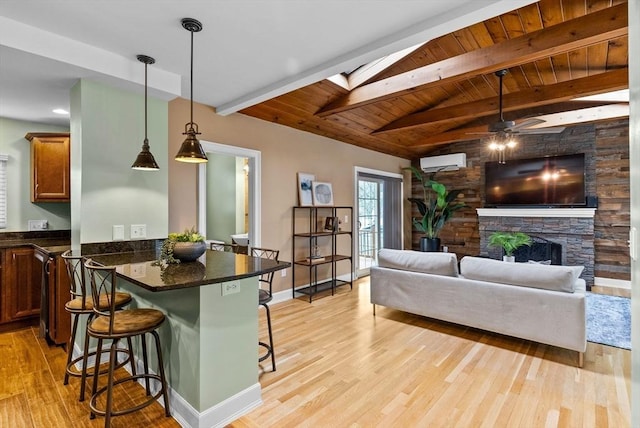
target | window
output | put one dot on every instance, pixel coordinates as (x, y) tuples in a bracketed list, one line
[(3, 191)]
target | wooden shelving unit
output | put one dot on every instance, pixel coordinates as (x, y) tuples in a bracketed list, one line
[(308, 234)]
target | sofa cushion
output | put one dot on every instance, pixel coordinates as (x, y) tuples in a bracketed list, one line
[(549, 277), (418, 261)]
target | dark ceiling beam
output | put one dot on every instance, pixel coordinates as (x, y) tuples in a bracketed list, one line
[(532, 97), (596, 27)]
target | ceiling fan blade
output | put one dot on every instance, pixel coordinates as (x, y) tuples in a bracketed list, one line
[(550, 130), (527, 123)]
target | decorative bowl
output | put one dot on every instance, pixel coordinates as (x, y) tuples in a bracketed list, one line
[(188, 251)]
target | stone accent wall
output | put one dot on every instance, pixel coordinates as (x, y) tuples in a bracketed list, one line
[(606, 148), (574, 234)]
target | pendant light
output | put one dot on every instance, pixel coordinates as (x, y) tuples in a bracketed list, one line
[(145, 160), (191, 150)]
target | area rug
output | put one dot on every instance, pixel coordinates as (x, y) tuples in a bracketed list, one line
[(609, 320)]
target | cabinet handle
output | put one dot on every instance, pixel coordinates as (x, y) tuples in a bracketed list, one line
[(46, 267)]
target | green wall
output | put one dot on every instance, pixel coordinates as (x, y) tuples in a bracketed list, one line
[(19, 206), (221, 197), (107, 127)]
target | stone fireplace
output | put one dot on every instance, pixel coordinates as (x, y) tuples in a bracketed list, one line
[(572, 228)]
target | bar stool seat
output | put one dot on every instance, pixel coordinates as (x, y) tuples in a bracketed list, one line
[(81, 304), (112, 324), (128, 322)]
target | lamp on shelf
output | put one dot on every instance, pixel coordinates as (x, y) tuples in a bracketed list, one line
[(145, 160), (191, 150)]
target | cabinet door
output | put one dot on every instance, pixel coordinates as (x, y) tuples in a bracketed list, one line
[(23, 278), (59, 294), (49, 168)]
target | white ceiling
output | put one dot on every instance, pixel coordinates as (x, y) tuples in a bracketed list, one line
[(247, 52)]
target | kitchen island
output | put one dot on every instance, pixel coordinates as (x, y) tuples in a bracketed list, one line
[(210, 342)]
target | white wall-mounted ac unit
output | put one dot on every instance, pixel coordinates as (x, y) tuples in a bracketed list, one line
[(450, 162)]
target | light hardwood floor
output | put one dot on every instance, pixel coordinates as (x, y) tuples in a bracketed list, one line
[(339, 366)]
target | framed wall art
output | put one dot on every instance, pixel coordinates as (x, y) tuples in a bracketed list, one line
[(305, 197), (322, 194)]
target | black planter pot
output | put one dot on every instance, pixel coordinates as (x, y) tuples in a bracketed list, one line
[(429, 244)]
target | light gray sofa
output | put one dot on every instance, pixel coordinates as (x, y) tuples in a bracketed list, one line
[(542, 303)]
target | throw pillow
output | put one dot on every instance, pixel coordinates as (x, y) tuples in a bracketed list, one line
[(418, 261)]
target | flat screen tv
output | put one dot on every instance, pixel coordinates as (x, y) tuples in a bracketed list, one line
[(553, 181)]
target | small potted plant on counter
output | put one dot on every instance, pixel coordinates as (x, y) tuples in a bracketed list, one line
[(182, 247), (509, 242)]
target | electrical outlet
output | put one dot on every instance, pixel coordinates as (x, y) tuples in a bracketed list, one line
[(138, 231), (117, 233), (37, 225), (230, 288), (283, 273)]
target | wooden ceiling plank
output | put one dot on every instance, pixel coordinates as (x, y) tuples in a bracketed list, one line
[(578, 63), (532, 97), (551, 12), (547, 71), (512, 23), (561, 67), (597, 58), (568, 36), (618, 53), (531, 18)]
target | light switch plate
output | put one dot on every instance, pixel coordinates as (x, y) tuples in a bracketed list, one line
[(138, 231), (37, 225), (230, 288), (118, 232)]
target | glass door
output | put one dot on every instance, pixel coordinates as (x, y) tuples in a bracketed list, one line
[(379, 215)]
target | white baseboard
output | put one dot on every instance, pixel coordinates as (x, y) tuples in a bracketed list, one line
[(610, 282), (284, 295)]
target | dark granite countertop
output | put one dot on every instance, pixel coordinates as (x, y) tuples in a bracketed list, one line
[(51, 246), (213, 267)]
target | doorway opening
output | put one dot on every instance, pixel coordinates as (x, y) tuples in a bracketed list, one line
[(379, 215), (238, 187)]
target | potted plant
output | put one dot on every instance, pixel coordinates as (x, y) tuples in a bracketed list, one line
[(182, 247), (509, 242), (436, 208)]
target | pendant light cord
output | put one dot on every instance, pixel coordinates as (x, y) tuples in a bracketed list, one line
[(146, 141), (191, 120)]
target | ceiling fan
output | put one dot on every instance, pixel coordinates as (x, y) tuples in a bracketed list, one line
[(511, 127)]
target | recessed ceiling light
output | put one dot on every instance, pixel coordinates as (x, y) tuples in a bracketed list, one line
[(60, 111)]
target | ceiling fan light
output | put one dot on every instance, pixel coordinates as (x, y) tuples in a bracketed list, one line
[(511, 143)]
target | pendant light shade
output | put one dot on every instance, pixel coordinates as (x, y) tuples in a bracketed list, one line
[(145, 160), (191, 150)]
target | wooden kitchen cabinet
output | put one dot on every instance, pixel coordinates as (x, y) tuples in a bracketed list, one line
[(21, 282), (57, 327), (50, 166)]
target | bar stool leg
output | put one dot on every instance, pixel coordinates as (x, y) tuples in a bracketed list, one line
[(271, 349), (70, 345), (167, 412), (85, 358), (112, 369), (131, 359), (145, 360), (96, 370)]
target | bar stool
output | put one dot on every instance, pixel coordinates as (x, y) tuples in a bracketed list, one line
[(265, 295), (79, 305), (112, 324)]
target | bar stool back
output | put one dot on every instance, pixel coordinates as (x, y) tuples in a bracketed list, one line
[(81, 304), (265, 295), (113, 324)]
